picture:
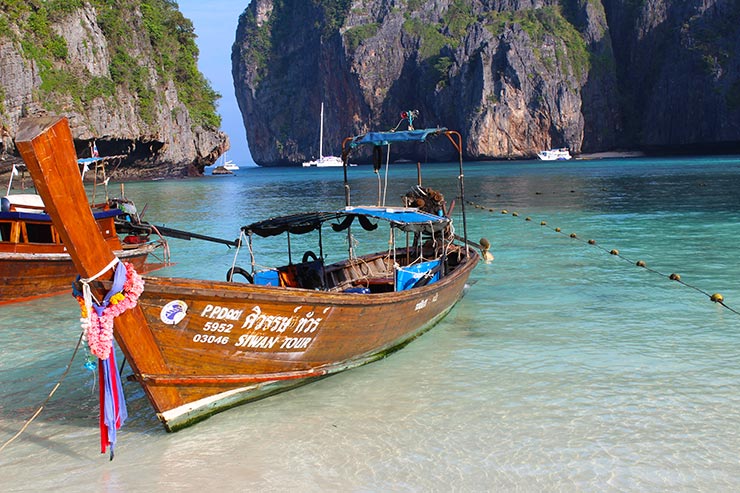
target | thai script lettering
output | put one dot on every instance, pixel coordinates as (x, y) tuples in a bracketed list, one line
[(261, 330), (273, 323), (423, 303)]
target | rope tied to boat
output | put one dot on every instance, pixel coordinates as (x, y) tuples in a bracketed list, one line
[(48, 398)]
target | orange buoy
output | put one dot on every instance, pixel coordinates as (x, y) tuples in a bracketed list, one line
[(591, 242), (485, 246), (717, 298), (674, 277), (614, 252), (641, 263)]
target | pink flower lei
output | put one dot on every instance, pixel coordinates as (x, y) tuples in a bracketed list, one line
[(99, 328)]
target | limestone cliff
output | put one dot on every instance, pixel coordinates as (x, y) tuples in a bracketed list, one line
[(124, 75), (514, 76), (678, 66)]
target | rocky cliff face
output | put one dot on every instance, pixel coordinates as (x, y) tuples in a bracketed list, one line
[(514, 76), (99, 66), (678, 66)]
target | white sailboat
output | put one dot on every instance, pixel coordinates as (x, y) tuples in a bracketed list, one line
[(230, 165), (223, 166), (323, 161)]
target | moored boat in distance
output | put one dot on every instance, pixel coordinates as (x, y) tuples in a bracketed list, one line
[(561, 154), (230, 166), (223, 166), (198, 347), (323, 161), (220, 170)]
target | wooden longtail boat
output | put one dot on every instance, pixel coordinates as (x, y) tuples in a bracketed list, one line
[(198, 347), (34, 262)]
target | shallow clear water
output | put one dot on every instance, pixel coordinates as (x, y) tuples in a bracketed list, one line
[(564, 368)]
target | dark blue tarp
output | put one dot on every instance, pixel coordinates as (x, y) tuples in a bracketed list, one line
[(405, 219)]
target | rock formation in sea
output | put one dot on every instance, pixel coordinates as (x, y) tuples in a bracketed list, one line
[(514, 76), (125, 75)]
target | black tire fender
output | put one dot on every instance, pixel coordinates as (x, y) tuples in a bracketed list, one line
[(238, 270), (309, 255)]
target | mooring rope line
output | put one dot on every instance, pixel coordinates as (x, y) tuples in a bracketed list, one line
[(715, 297), (48, 398)]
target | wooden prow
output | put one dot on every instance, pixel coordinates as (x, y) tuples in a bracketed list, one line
[(47, 148), (46, 145)]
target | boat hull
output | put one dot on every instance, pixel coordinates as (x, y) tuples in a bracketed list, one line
[(233, 343), (25, 276)]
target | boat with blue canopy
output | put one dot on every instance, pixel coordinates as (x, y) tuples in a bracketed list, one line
[(308, 294)]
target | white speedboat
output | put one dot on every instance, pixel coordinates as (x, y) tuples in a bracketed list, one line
[(561, 154)]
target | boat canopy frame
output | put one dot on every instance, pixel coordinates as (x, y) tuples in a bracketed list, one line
[(407, 219), (379, 139)]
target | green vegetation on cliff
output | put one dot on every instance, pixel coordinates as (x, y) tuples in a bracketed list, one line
[(436, 38), (256, 53), (172, 46), (542, 22), (357, 34), (335, 11)]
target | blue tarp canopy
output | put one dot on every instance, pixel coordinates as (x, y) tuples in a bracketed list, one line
[(405, 219), (385, 138), (88, 160)]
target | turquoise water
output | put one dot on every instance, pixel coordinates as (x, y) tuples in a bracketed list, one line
[(564, 368)]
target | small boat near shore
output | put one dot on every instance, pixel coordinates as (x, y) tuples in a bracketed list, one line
[(221, 170), (224, 166), (561, 154), (198, 347), (229, 165)]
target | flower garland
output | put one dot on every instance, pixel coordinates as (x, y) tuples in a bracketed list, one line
[(98, 322)]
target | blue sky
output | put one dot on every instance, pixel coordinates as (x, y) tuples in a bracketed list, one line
[(215, 25)]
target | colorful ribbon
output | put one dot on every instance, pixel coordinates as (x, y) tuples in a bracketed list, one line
[(113, 412)]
